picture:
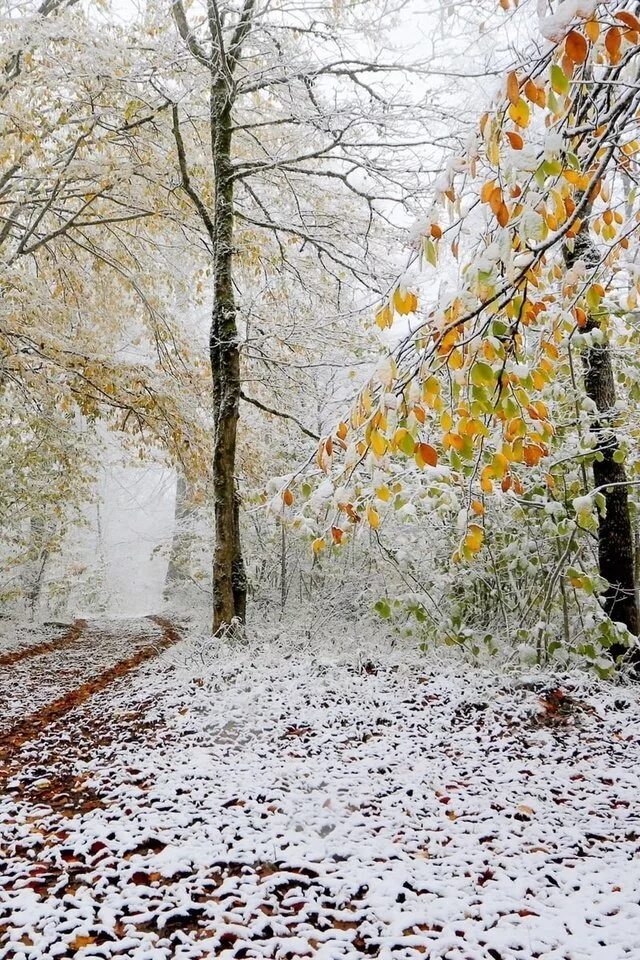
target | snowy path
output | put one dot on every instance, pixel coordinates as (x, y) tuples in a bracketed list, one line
[(35, 675), (286, 809)]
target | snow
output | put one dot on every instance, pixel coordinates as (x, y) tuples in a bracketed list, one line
[(344, 801)]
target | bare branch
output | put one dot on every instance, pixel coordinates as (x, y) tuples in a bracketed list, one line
[(278, 413), (187, 186)]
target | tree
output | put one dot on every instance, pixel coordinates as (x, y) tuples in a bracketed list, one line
[(534, 230), (295, 97), (85, 333)]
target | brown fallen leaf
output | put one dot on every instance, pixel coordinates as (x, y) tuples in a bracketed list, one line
[(81, 941)]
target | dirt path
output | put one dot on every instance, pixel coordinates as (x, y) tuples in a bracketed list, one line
[(68, 639), (48, 671)]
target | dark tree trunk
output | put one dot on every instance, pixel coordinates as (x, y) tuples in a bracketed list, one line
[(615, 534), (229, 580)]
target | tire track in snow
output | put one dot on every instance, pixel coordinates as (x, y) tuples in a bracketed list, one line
[(35, 723), (67, 639)]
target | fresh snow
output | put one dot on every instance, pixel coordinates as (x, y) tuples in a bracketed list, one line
[(338, 802)]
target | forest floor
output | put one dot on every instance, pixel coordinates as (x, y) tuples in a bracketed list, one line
[(161, 798)]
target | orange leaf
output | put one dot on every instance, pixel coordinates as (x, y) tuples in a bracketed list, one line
[(287, 496), (486, 190), (435, 231), (581, 317), (513, 87), (515, 140), (427, 454), (503, 215), (613, 42), (576, 47), (628, 19), (533, 454), (495, 199), (81, 941), (337, 534)]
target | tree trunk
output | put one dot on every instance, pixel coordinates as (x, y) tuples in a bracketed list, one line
[(615, 533), (229, 580), (180, 539), (38, 558)]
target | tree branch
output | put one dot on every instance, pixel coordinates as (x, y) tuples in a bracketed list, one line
[(278, 413), (180, 18), (187, 186)]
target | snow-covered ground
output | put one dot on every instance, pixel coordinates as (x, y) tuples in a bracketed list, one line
[(265, 803)]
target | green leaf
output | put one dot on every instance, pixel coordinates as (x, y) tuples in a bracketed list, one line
[(407, 444), (559, 79), (499, 327), (383, 609), (430, 252), (482, 374)]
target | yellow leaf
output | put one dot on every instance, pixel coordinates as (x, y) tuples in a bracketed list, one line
[(474, 539), (430, 390), (378, 443), (373, 517), (500, 465), (456, 360), (405, 302), (520, 113), (592, 30), (384, 317), (383, 493), (318, 545), (403, 441), (486, 479)]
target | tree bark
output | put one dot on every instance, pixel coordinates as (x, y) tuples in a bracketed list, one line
[(615, 533), (229, 579)]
